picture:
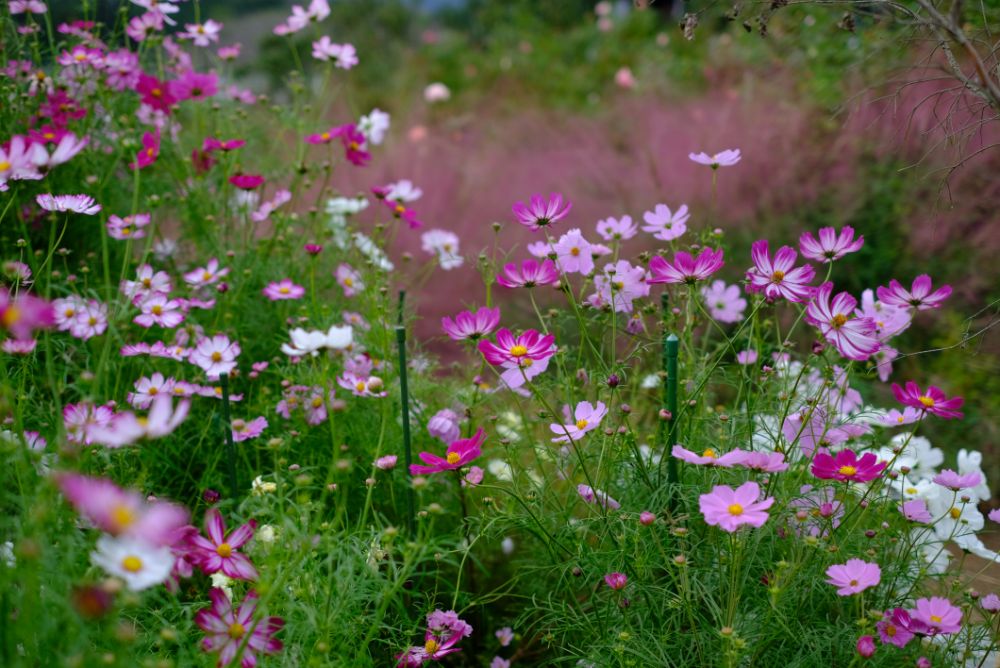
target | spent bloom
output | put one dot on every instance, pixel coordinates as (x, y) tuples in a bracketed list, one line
[(586, 417), (853, 337), (471, 326), (666, 224), (730, 508), (226, 629), (854, 576), (726, 158), (920, 296), (458, 454), (780, 277), (846, 466), (933, 400), (724, 302), (685, 269), (830, 246), (539, 213)]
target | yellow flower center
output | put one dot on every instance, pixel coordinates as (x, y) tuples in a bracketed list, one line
[(399, 209), (80, 57), (147, 282), (735, 509), (355, 146), (157, 310), (236, 631), (348, 281), (853, 583), (890, 630), (153, 391), (206, 275), (11, 315), (581, 424), (927, 401), (839, 321), (431, 646), (709, 452), (936, 619), (49, 135), (955, 513), (156, 92), (224, 550), (284, 290), (453, 458), (574, 251), (126, 231), (325, 136), (132, 563), (900, 419), (216, 356), (847, 470), (360, 386), (316, 402), (69, 312), (122, 517), (4, 165), (519, 350), (911, 490), (778, 276)]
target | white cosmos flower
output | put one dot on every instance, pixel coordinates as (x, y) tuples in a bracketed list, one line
[(404, 191), (311, 342), (138, 563), (971, 461)]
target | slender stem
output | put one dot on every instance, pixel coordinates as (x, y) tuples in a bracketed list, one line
[(404, 396)]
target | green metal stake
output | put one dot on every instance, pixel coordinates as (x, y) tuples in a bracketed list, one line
[(404, 392), (230, 446), (401, 307)]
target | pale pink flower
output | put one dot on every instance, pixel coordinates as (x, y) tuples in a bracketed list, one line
[(854, 576), (729, 509), (159, 309), (207, 275), (585, 418), (621, 229), (129, 227), (349, 280), (619, 285), (283, 289), (665, 224), (244, 431), (82, 204), (573, 253), (726, 158), (202, 34), (724, 302), (216, 355)]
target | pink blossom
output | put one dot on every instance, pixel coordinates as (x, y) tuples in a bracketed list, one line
[(207, 275), (127, 428), (79, 420), (90, 321), (724, 302), (646, 518), (586, 418), (195, 86), (521, 351), (990, 603), (244, 431), (932, 401), (621, 229), (596, 497), (866, 647), (444, 425), (665, 224), (156, 94), (854, 576), (898, 628), (726, 158), (920, 296), (265, 210), (830, 246), (362, 386), (386, 462), (19, 160), (246, 181), (729, 509), (215, 355), (539, 213), (458, 454), (148, 282), (709, 457), (916, 511), (529, 275), (219, 552), (685, 269), (853, 337), (401, 212), (780, 278), (202, 34), (349, 280), (766, 462), (22, 315), (939, 614), (129, 227), (83, 204), (343, 55), (226, 629), (29, 6), (471, 326), (746, 357), (147, 389), (896, 419), (619, 285), (994, 515), (140, 27), (283, 289), (846, 466), (159, 309), (616, 581), (957, 482), (229, 52)]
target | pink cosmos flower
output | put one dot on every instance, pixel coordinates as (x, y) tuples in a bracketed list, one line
[(362, 385), (724, 302), (587, 418), (920, 296), (898, 628), (343, 55), (939, 614), (129, 227), (229, 52), (444, 631), (19, 160), (386, 462), (666, 224), (122, 512), (916, 511), (540, 249), (616, 581), (471, 326), (202, 34), (226, 629), (746, 357), (932, 401), (401, 212), (265, 210), (685, 269), (866, 647), (80, 420), (159, 309), (219, 552), (619, 285), (779, 278), (140, 27), (458, 454), (156, 94), (726, 158), (830, 246), (854, 576), (207, 275), (957, 482), (573, 253), (90, 321), (621, 229), (994, 515), (531, 345), (67, 147), (247, 181), (61, 108), (847, 467), (729, 509), (147, 389), (597, 497), (26, 6), (539, 213), (244, 431), (83, 204), (853, 337), (896, 419), (766, 462), (529, 275), (709, 457), (127, 428), (354, 142), (22, 315), (444, 425), (195, 86), (216, 355), (283, 289), (210, 144), (349, 280), (148, 282), (990, 603)]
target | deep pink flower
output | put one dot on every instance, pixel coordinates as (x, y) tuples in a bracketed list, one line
[(685, 269), (21, 316), (529, 275), (586, 417), (247, 181), (354, 142), (898, 628), (155, 93), (521, 351), (854, 576), (830, 246), (457, 455), (853, 337), (149, 152), (471, 326), (219, 552), (402, 212), (780, 278), (616, 581), (866, 647), (283, 289), (539, 213), (729, 509), (212, 144), (646, 518), (920, 296), (957, 482), (324, 137), (226, 629), (847, 467), (939, 614), (61, 108), (932, 401), (195, 86)]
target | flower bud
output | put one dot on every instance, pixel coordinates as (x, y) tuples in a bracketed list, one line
[(866, 646)]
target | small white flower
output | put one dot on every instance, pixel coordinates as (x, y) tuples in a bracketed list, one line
[(223, 582), (374, 126), (265, 534), (138, 563), (259, 487), (507, 545)]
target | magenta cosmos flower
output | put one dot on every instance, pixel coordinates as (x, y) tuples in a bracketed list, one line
[(539, 213), (854, 576), (529, 275), (853, 337), (20, 316), (920, 296), (830, 246), (283, 289), (778, 278), (730, 508), (866, 646), (587, 417), (916, 511), (898, 628), (616, 581), (471, 326), (847, 467), (685, 269), (939, 614), (150, 150), (932, 401), (726, 158), (226, 629), (517, 350), (219, 552), (458, 455)]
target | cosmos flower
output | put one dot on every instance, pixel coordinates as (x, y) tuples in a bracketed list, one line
[(458, 454), (846, 466), (518, 350), (349, 279), (215, 355), (83, 204), (665, 224), (219, 552), (724, 302), (830, 246), (573, 253), (780, 278), (207, 275), (933, 400), (529, 275), (729, 509), (854, 576), (853, 337), (539, 213), (709, 457), (202, 34), (586, 418), (244, 431), (621, 229), (957, 482), (22, 315), (616, 581), (685, 269), (471, 326), (139, 564), (226, 629), (920, 296), (938, 614), (129, 227), (726, 158), (597, 497), (283, 289), (159, 309)]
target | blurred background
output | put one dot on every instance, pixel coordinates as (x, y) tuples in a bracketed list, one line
[(844, 114)]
